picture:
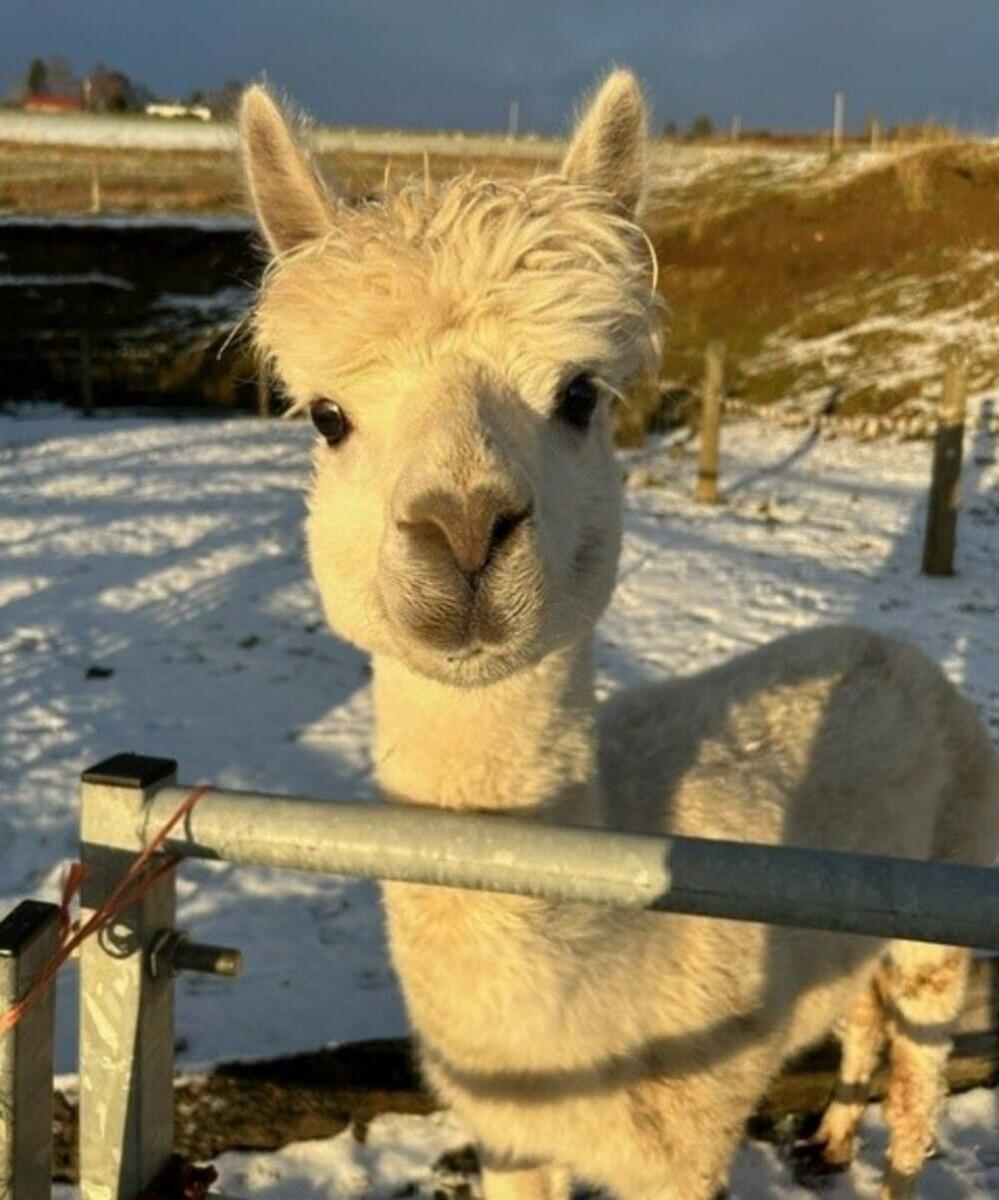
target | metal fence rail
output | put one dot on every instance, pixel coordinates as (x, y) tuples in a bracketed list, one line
[(779, 885)]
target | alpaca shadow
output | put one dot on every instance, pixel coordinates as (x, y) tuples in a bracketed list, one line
[(166, 608), (777, 469)]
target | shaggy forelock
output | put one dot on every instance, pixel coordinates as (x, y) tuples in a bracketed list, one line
[(430, 262)]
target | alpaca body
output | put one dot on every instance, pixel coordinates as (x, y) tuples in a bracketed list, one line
[(458, 349), (631, 1048)]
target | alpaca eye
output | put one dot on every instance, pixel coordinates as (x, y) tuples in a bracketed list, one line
[(577, 400), (330, 420)]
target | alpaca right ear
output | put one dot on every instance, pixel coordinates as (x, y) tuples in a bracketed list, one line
[(608, 146), (291, 203)]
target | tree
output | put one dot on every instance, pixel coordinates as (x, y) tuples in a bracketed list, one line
[(224, 101), (670, 129), (62, 79), (38, 77), (111, 91), (702, 127)]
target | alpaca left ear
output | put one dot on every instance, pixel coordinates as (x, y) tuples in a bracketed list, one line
[(608, 147), (291, 203)]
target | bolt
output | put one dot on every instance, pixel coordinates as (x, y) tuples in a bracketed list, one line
[(172, 951)]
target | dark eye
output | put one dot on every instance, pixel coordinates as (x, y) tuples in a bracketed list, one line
[(330, 420), (577, 400)]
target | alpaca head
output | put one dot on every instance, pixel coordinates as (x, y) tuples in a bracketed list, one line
[(457, 347)]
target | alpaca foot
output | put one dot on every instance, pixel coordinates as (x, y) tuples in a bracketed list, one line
[(816, 1158), (898, 1185)]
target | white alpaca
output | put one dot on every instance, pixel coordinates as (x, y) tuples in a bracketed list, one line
[(457, 347)]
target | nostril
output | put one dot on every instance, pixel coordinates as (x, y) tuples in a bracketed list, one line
[(464, 532), (504, 525)]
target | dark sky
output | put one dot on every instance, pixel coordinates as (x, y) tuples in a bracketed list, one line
[(444, 63)]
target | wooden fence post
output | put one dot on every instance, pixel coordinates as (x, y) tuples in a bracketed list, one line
[(29, 937), (86, 374), (711, 403), (875, 132), (945, 486), (264, 390)]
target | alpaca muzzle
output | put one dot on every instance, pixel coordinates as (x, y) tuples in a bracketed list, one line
[(455, 566), (466, 533)]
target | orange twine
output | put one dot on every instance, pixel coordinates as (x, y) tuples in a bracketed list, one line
[(132, 886)]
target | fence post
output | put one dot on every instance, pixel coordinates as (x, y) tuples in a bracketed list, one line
[(86, 375), (29, 937), (945, 486), (126, 1016), (264, 390), (839, 106), (711, 403), (875, 132)]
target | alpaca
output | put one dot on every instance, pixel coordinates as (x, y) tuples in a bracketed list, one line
[(457, 347)]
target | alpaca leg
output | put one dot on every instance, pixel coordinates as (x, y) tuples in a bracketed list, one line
[(863, 1039), (672, 1184), (673, 1156), (530, 1183), (923, 989)]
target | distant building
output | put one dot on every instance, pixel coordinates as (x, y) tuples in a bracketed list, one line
[(200, 112), (52, 104)]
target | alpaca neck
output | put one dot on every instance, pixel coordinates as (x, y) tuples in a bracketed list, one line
[(525, 744)]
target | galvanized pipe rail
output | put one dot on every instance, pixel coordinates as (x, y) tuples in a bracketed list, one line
[(779, 885)]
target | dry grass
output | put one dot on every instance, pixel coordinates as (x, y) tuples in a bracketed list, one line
[(818, 272), (60, 179), (828, 285)]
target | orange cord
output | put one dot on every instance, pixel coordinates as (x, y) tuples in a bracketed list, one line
[(127, 891)]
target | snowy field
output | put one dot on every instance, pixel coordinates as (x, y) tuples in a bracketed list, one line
[(134, 132), (154, 597)]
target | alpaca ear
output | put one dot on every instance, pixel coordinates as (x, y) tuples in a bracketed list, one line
[(291, 203), (608, 147)]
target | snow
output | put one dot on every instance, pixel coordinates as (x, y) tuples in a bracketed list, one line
[(110, 221), (154, 134), (171, 552), (85, 278), (215, 304), (404, 1152), (79, 129), (901, 344)]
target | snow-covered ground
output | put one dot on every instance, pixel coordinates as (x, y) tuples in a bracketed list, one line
[(138, 132), (154, 597), (417, 1156)]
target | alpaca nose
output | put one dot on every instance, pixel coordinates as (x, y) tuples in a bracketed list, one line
[(468, 529)]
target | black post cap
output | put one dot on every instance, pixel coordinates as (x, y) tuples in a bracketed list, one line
[(22, 924), (130, 770)]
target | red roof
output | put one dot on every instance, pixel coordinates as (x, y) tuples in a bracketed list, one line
[(52, 104)]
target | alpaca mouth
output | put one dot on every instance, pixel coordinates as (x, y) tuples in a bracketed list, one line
[(460, 646), (464, 656), (459, 631)]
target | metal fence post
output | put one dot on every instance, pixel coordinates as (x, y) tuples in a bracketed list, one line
[(126, 1016), (29, 936)]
